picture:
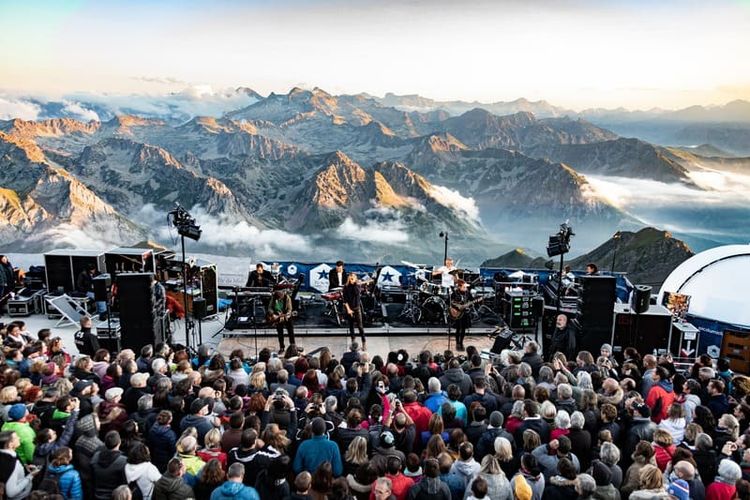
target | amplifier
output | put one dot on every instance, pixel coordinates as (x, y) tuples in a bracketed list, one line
[(649, 332), (735, 345)]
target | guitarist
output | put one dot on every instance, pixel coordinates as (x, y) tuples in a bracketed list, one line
[(460, 296), (280, 313)]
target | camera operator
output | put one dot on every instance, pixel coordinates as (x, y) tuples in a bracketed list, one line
[(280, 410)]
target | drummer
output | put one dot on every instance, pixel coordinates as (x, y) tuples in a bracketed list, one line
[(337, 276), (446, 273)]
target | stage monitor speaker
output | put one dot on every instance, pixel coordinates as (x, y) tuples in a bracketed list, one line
[(735, 345), (641, 298), (102, 286), (502, 341), (138, 322), (199, 308)]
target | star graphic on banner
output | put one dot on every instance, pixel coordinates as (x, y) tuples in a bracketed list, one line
[(322, 275), (387, 276)]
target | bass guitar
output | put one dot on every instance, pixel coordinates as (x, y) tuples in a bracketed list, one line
[(456, 311)]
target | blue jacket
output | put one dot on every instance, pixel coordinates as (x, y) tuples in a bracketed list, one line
[(201, 424), (455, 483), (232, 490), (316, 450), (435, 401), (161, 441), (68, 481)]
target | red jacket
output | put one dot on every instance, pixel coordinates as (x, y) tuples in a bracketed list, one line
[(720, 491), (419, 414), (663, 455), (659, 399), (400, 488)]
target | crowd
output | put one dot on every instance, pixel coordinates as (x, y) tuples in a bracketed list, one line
[(164, 424)]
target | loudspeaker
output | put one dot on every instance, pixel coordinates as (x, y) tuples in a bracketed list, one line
[(138, 320), (647, 332), (641, 298), (199, 308), (595, 312), (102, 286), (502, 341), (59, 273)]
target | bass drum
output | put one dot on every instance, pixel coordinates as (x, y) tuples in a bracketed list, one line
[(433, 310)]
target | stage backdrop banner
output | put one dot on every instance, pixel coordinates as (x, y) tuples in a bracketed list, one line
[(315, 275)]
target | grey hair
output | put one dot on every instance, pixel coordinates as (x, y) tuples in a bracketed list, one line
[(517, 410), (433, 385), (562, 419), (274, 365), (524, 370), (703, 441), (384, 481), (609, 453), (729, 471), (577, 420), (546, 374), (584, 380), (146, 402), (730, 423), (547, 410), (331, 403), (564, 391), (586, 486)]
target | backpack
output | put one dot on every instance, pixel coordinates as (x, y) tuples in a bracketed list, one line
[(135, 490)]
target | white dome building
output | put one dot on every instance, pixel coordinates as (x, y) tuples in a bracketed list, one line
[(716, 281)]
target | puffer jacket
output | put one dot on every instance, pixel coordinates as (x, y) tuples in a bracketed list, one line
[(660, 398), (161, 441), (108, 468), (68, 481), (171, 487)]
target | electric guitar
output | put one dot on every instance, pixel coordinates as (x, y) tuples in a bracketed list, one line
[(458, 310), (277, 318)]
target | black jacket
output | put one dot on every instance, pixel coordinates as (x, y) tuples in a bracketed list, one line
[(333, 279), (108, 467), (486, 443), (536, 424), (86, 342), (456, 376), (535, 361), (641, 429)]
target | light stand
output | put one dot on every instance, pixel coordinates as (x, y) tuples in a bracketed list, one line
[(559, 244), (186, 227), (616, 237)]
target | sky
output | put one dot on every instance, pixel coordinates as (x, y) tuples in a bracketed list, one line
[(636, 54)]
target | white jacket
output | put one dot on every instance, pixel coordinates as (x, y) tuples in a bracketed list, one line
[(675, 427), (145, 474), (18, 484)]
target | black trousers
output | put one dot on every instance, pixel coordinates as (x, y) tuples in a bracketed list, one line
[(461, 324), (356, 318), (280, 332)]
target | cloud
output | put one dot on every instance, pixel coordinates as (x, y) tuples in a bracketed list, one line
[(18, 108), (163, 80), (76, 110), (222, 231), (390, 232), (453, 199)]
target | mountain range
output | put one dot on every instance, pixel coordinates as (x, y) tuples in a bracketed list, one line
[(313, 175)]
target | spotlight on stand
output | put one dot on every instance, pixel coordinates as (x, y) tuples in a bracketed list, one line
[(559, 244), (185, 223), (186, 228)]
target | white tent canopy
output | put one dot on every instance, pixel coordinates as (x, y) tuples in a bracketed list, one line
[(717, 281)]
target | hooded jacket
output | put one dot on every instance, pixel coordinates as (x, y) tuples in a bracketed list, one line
[(535, 482), (429, 488), (456, 376), (161, 441), (498, 486), (68, 481), (632, 476), (559, 488), (468, 470), (660, 398), (170, 487), (606, 492), (145, 474), (231, 490), (548, 463), (108, 468)]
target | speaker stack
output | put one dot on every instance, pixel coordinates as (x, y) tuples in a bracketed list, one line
[(139, 321), (596, 304)]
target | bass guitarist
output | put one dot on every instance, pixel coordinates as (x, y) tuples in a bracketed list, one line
[(280, 314), (459, 297)]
